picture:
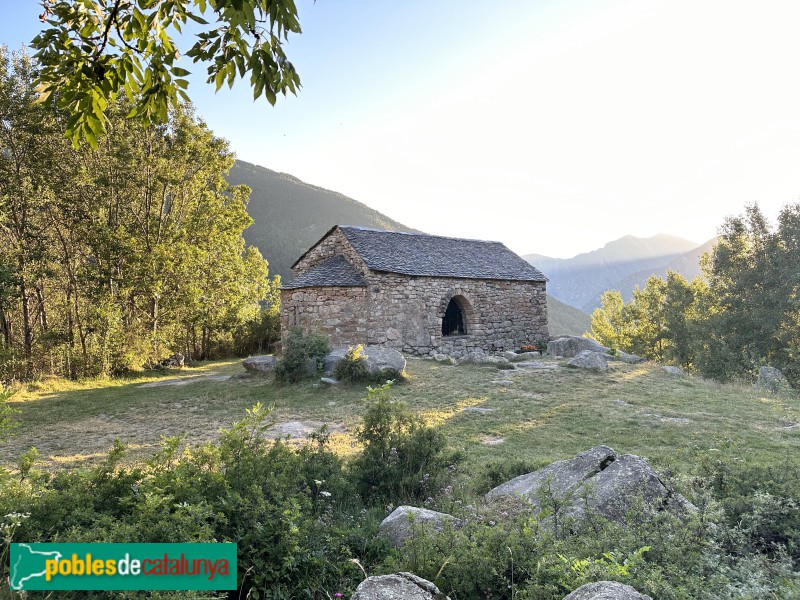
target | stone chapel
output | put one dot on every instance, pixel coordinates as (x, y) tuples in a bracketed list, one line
[(420, 294)]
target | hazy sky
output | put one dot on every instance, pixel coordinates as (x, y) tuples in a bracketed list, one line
[(553, 126)]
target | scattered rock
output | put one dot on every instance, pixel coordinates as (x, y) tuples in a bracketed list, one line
[(478, 357), (606, 590), (398, 586), (378, 358), (772, 379), (177, 360), (537, 365), (478, 409), (263, 364), (444, 358), (520, 356), (677, 371), (329, 380), (397, 527), (599, 480), (495, 441), (503, 382), (301, 429), (676, 420), (631, 359), (569, 346), (588, 359)]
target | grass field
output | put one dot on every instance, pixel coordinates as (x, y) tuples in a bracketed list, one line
[(535, 415)]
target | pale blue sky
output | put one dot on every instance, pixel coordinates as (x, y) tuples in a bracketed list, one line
[(553, 126)]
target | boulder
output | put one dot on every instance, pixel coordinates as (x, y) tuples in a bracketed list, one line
[(606, 590), (588, 359), (378, 358), (772, 379), (677, 371), (563, 476), (177, 360), (397, 527), (631, 359), (397, 586), (262, 364), (329, 380), (598, 480), (333, 358), (571, 345)]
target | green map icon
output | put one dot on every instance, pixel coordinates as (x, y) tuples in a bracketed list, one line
[(27, 564)]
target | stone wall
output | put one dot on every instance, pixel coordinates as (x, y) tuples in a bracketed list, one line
[(340, 312), (406, 313)]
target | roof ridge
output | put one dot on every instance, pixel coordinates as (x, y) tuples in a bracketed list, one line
[(420, 234)]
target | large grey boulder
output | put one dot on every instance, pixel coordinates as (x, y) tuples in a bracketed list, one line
[(588, 359), (772, 379), (378, 358), (599, 481), (397, 527), (606, 590), (562, 476), (397, 586), (260, 364), (572, 345)]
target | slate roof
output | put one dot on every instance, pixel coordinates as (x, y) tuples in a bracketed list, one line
[(435, 256), (335, 271)]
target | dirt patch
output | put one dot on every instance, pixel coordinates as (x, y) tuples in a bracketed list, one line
[(140, 431), (302, 429), (186, 380)]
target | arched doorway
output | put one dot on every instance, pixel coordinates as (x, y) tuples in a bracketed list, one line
[(454, 321)]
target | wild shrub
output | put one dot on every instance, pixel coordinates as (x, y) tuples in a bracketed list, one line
[(301, 350), (353, 367), (403, 459)]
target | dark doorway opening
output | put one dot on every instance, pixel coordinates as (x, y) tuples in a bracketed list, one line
[(454, 322)]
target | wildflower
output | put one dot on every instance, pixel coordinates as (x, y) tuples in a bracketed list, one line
[(325, 494)]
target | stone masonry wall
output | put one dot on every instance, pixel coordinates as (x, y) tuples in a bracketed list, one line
[(340, 312), (406, 313)]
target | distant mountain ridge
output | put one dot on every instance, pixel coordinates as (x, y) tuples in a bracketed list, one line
[(619, 265), (290, 215)]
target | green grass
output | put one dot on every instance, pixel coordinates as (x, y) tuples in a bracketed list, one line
[(544, 415)]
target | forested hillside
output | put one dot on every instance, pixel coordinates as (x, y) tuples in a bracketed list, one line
[(563, 319), (290, 215)]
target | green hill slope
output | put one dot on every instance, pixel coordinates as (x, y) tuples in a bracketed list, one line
[(290, 215), (563, 319)]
